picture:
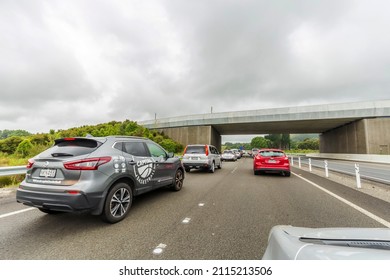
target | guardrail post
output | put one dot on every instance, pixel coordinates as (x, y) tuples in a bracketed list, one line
[(357, 171), (326, 169), (310, 164), (292, 160), (299, 162)]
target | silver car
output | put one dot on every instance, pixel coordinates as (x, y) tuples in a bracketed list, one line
[(99, 175), (298, 243), (201, 156), (229, 155)]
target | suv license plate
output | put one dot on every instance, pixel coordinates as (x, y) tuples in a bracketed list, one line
[(47, 173), (272, 161)]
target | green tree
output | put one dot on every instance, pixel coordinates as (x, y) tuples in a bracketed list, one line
[(285, 141), (309, 144), (10, 144), (9, 133), (275, 140), (24, 148), (169, 145), (260, 142), (40, 139)]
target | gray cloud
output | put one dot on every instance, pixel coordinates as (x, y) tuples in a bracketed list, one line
[(69, 63)]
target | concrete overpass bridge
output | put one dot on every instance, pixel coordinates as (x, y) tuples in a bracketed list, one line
[(356, 128)]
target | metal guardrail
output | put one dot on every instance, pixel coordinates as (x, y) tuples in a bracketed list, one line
[(13, 170), (306, 160)]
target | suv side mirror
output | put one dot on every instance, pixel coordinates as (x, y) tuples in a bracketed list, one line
[(171, 155)]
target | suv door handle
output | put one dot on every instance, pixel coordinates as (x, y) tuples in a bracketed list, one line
[(132, 162)]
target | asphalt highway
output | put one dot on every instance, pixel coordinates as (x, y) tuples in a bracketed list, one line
[(224, 215)]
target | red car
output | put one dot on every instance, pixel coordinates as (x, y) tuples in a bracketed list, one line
[(271, 160)]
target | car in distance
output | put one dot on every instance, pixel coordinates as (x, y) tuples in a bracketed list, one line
[(254, 152), (247, 153), (300, 243), (228, 155), (100, 175), (237, 153), (201, 156), (272, 161)]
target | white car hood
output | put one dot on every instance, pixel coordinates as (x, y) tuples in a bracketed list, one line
[(297, 243)]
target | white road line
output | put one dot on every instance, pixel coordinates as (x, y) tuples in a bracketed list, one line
[(17, 212), (234, 170), (361, 210), (159, 249)]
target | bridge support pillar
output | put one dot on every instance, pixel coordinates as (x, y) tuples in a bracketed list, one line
[(194, 135), (366, 136)]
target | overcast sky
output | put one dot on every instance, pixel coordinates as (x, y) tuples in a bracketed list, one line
[(71, 63)]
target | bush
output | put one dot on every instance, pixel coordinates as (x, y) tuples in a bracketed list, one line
[(9, 145), (24, 148), (7, 181)]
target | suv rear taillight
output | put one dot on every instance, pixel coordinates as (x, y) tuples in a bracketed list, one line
[(206, 150), (86, 164), (30, 163)]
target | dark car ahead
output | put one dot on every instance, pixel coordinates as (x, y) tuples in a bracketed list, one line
[(271, 160), (100, 175)]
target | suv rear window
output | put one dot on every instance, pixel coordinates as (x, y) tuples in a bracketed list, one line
[(71, 147), (195, 150)]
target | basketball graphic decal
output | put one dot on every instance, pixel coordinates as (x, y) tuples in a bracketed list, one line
[(144, 171)]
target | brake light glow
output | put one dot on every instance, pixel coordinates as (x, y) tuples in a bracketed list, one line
[(73, 192), (69, 139), (207, 150), (86, 164), (30, 163)]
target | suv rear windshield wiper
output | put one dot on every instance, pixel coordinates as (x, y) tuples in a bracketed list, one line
[(61, 155), (371, 244)]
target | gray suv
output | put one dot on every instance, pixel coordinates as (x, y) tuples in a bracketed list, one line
[(201, 157), (100, 175)]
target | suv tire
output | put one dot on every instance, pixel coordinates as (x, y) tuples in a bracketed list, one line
[(212, 167), (118, 203), (178, 183)]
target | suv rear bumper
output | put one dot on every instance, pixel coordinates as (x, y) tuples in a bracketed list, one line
[(64, 202), (196, 163), (275, 169)]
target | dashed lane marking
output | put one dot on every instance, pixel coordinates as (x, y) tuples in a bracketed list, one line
[(159, 249)]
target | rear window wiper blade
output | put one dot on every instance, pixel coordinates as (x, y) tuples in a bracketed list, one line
[(61, 155), (369, 244)]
